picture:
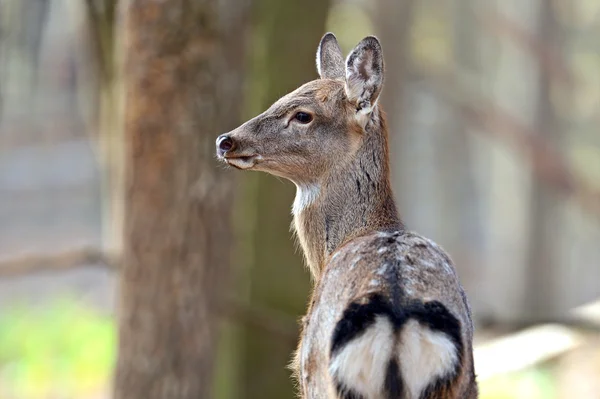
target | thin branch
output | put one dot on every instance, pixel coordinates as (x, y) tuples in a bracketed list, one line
[(275, 323), (547, 162), (582, 324), (523, 349), (548, 57), (278, 324), (60, 261)]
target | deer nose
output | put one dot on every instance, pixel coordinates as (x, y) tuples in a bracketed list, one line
[(225, 143)]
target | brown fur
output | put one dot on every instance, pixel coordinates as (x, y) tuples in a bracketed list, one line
[(347, 224)]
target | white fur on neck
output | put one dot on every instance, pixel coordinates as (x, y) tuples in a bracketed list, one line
[(306, 194)]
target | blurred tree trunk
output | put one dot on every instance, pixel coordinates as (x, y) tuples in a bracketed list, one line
[(23, 24), (105, 88), (285, 44), (512, 73), (183, 81), (393, 19), (431, 162), (545, 297), (462, 232), (99, 101)]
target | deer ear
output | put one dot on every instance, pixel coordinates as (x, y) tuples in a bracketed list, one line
[(364, 74), (330, 61)]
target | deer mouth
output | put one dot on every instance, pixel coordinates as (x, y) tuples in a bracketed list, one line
[(241, 161)]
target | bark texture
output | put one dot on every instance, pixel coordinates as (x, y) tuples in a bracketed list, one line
[(183, 83)]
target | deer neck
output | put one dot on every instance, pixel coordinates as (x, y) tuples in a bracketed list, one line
[(354, 199)]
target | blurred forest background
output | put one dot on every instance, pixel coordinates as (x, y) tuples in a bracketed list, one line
[(133, 265)]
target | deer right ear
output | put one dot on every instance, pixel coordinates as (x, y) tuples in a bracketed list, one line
[(364, 75), (330, 61)]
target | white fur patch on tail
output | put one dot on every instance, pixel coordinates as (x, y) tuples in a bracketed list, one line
[(361, 365), (423, 356)]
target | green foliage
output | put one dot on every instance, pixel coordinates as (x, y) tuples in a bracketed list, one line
[(64, 348)]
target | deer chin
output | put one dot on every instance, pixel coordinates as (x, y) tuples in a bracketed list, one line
[(242, 162)]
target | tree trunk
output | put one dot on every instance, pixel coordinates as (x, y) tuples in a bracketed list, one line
[(99, 100), (182, 76), (23, 24), (545, 297), (284, 60), (394, 22), (512, 80), (459, 200)]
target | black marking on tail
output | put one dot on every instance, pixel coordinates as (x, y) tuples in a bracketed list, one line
[(434, 315), (359, 316), (394, 386)]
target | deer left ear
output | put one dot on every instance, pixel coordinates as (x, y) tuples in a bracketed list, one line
[(364, 74), (330, 61)]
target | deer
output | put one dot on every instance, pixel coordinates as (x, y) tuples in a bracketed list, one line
[(388, 317)]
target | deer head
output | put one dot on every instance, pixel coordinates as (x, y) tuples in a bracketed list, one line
[(319, 125)]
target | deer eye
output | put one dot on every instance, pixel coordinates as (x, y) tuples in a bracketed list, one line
[(303, 117)]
